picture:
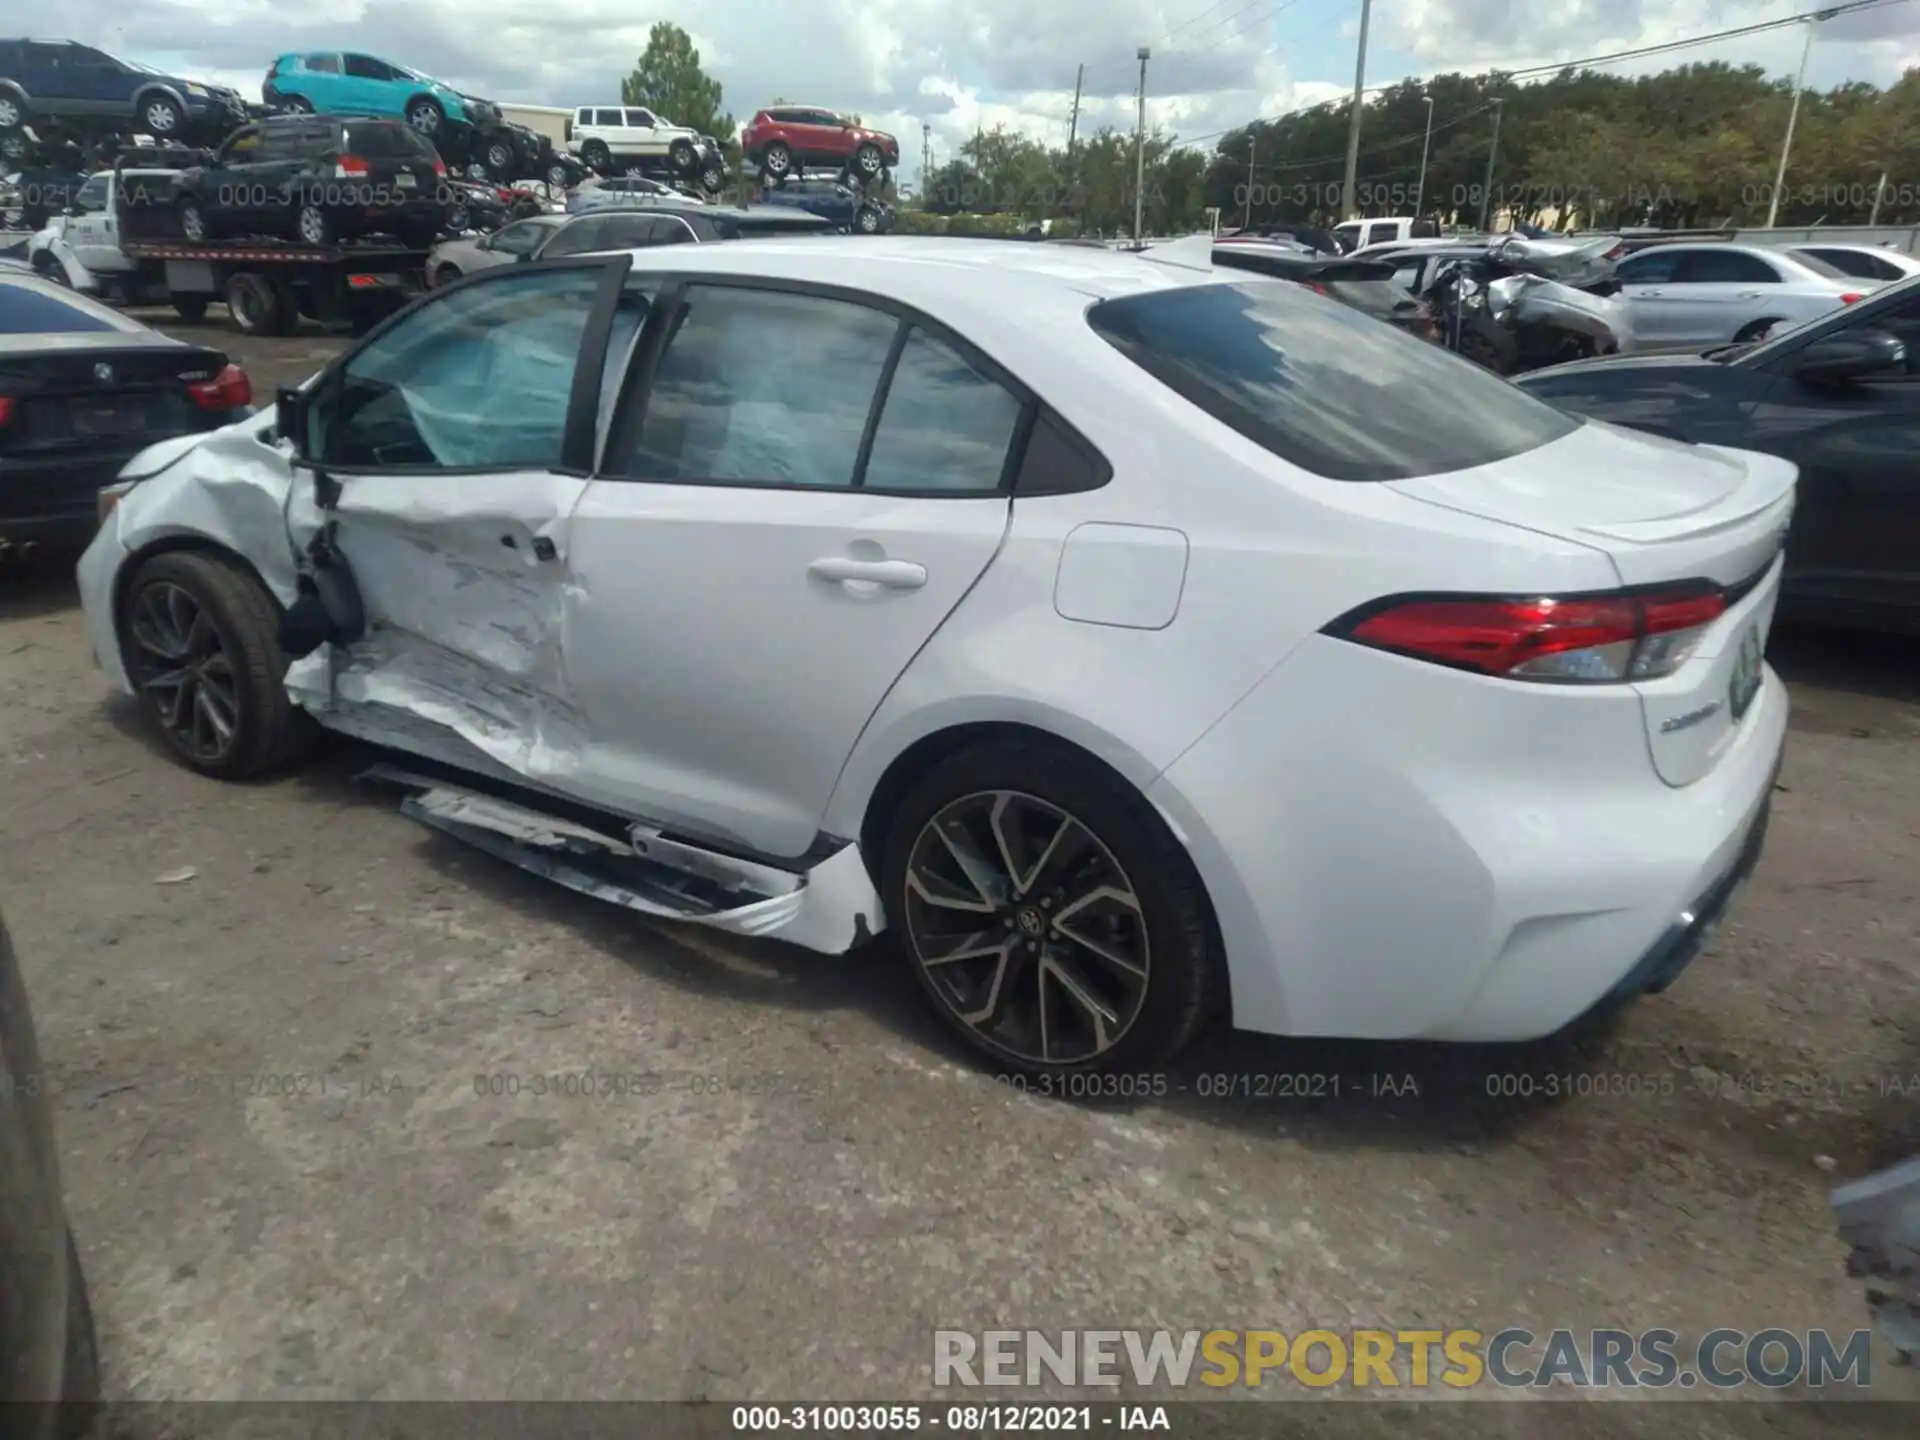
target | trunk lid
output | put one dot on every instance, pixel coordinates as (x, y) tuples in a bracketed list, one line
[(1663, 511), (94, 393)]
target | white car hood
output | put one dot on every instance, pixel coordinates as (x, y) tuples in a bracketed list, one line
[(1657, 506)]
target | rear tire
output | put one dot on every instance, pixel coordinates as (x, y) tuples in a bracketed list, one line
[(680, 155), (192, 223), (314, 225), (265, 728), (777, 162), (425, 115), (297, 105), (1120, 872), (251, 305)]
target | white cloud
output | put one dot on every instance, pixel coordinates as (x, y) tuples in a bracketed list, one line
[(902, 63)]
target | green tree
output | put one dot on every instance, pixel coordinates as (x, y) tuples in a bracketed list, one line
[(669, 81)]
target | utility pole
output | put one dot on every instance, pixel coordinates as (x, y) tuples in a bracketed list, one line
[(1140, 151), (926, 161), (1879, 193), (1420, 191), (1073, 125), (1253, 145), (1493, 153), (1793, 116), (1353, 124)]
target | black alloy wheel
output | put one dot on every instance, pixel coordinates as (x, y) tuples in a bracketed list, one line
[(200, 639), (1048, 912), (185, 672)]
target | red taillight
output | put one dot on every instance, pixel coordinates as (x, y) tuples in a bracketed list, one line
[(6, 409), (1849, 298), (350, 167), (229, 390), (440, 168), (1581, 639)]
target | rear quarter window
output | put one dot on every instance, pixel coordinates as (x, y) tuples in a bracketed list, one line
[(1322, 386)]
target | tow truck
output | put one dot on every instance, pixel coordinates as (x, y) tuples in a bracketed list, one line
[(96, 245)]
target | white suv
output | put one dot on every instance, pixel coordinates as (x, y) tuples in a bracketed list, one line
[(608, 135)]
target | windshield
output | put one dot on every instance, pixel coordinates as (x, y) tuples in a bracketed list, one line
[(1322, 385)]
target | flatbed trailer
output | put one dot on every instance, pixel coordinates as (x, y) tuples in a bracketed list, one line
[(268, 285)]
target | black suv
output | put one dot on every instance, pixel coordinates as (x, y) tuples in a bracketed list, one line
[(54, 83), (316, 179)]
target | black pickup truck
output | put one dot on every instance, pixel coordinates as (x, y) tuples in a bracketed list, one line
[(315, 179)]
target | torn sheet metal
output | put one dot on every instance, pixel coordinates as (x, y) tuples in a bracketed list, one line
[(229, 486), (1879, 1217), (830, 908)]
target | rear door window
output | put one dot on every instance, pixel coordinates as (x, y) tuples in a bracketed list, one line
[(610, 118), (1321, 385), (322, 64)]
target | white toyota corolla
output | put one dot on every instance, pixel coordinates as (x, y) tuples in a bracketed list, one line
[(1132, 639)]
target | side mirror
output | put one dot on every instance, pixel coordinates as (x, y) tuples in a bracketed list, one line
[(290, 417), (1850, 355)]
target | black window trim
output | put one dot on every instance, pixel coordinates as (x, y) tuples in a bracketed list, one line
[(636, 386), (583, 402)]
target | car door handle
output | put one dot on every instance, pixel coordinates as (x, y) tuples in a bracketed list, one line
[(1645, 295), (893, 574), (1749, 295)]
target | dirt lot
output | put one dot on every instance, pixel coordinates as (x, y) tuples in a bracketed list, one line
[(822, 1179)]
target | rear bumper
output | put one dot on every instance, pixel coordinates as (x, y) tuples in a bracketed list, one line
[(54, 503), (1397, 851)]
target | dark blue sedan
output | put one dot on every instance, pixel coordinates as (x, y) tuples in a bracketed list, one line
[(845, 206)]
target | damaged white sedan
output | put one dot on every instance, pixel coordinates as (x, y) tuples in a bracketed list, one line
[(1131, 639)]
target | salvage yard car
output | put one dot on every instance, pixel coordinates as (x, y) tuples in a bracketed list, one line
[(84, 388), (316, 179), (330, 82), (1131, 641)]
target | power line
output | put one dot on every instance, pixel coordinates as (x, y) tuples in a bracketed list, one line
[(1737, 32)]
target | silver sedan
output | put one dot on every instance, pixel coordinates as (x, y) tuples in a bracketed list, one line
[(451, 259), (1688, 297)]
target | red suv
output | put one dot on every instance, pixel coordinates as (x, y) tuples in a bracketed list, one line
[(787, 139)]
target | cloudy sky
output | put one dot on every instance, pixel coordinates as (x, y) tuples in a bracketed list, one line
[(958, 64)]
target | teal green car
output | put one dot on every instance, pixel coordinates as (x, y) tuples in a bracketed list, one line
[(344, 83)]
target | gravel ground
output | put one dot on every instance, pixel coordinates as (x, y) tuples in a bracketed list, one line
[(823, 1179)]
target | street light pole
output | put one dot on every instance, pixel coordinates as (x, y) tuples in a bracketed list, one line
[(1140, 150), (1493, 152), (1353, 123), (1793, 116), (1420, 192), (1253, 145)]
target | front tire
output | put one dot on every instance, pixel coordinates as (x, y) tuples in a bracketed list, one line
[(297, 105), (201, 640), (1048, 913), (191, 221), (499, 159), (597, 156), (868, 163), (680, 155), (777, 162)]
